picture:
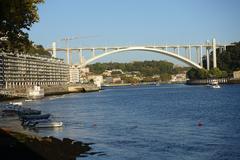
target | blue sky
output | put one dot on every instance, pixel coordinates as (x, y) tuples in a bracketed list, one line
[(125, 22)]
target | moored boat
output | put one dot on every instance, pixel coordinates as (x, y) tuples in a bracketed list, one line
[(34, 117), (16, 103), (214, 84), (29, 111), (43, 123), (48, 124)]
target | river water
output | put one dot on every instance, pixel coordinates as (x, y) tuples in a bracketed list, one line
[(165, 122)]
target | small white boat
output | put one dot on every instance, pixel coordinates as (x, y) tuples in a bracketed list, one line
[(28, 100), (48, 124), (16, 103), (214, 84)]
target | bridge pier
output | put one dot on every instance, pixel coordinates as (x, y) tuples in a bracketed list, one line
[(54, 54), (67, 56), (80, 56), (214, 53), (186, 54), (189, 52), (93, 52), (198, 55), (70, 57), (201, 55), (208, 62)]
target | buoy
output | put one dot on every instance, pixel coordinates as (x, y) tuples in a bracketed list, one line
[(200, 124)]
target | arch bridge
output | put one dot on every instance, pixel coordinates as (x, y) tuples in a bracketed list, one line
[(189, 54)]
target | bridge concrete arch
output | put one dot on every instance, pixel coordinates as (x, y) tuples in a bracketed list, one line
[(155, 50)]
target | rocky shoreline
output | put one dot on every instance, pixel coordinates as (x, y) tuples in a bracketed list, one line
[(16, 145)]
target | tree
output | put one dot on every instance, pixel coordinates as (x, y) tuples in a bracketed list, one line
[(215, 73), (202, 73), (195, 73), (192, 73), (228, 60), (17, 16), (165, 77), (38, 50)]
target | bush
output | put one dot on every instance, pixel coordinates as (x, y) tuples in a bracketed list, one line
[(215, 73), (195, 73)]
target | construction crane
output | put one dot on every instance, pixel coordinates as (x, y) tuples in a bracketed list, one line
[(66, 41)]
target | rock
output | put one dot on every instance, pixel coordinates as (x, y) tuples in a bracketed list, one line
[(67, 141), (50, 148)]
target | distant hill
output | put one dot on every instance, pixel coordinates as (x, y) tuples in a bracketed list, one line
[(146, 68)]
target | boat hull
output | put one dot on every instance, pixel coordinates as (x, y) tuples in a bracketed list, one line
[(49, 125), (35, 117)]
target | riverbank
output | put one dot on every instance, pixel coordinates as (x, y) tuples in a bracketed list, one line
[(18, 142), (16, 145), (207, 81), (18, 93)]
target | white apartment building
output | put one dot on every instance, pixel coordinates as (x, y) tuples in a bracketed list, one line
[(21, 70), (74, 74), (77, 74)]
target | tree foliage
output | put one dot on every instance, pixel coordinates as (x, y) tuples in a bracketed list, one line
[(146, 68), (215, 73), (38, 50), (195, 73), (17, 16), (228, 60)]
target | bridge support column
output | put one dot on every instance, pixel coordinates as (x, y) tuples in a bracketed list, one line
[(93, 52), (80, 56), (189, 52), (224, 48), (178, 50), (54, 54), (174, 50), (201, 55), (214, 53), (221, 49), (208, 62), (198, 55), (70, 57), (186, 54), (67, 56), (166, 48)]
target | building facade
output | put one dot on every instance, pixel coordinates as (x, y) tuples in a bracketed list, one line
[(97, 79), (236, 74), (74, 74), (25, 70), (182, 77), (1, 72), (78, 74)]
